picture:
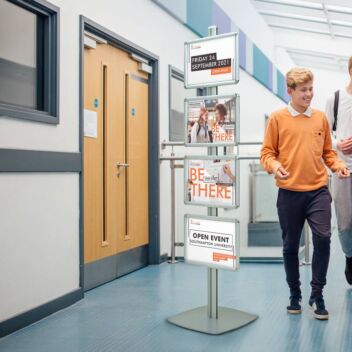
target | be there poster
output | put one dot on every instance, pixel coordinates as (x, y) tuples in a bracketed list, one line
[(212, 121), (211, 242), (211, 181)]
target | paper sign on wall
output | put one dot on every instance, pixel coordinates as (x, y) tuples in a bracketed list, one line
[(212, 120), (211, 181), (211, 61), (211, 241), (90, 124)]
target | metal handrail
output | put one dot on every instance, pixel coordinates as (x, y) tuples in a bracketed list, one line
[(165, 144), (171, 158)]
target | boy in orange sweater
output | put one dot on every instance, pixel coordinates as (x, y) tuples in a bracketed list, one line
[(297, 141)]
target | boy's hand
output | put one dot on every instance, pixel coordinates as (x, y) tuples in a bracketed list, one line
[(345, 146), (343, 173), (281, 173)]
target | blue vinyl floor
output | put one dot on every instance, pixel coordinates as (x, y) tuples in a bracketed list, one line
[(129, 314)]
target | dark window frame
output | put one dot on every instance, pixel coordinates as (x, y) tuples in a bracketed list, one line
[(49, 69)]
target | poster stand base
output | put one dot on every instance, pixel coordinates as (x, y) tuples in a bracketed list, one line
[(198, 320)]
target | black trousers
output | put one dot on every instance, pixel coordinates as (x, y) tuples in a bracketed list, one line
[(293, 209)]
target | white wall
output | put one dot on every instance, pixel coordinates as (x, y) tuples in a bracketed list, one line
[(39, 253), (312, 42), (325, 84)]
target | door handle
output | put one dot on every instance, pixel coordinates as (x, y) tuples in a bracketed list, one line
[(118, 165)]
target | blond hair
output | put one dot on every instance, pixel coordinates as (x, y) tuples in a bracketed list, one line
[(298, 75)]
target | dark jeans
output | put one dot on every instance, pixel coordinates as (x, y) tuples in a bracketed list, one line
[(293, 209)]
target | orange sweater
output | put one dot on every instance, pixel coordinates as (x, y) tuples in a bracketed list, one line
[(299, 144)]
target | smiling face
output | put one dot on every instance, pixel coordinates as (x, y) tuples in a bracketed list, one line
[(218, 116), (205, 116), (301, 95)]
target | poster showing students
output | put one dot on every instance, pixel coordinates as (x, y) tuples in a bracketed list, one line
[(211, 181), (212, 241), (212, 121)]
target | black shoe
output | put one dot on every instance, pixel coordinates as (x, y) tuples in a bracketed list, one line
[(294, 307), (318, 308), (348, 270)]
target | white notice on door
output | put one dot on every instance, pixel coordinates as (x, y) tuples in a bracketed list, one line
[(90, 123)]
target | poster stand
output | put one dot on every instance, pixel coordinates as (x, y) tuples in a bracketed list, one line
[(212, 319)]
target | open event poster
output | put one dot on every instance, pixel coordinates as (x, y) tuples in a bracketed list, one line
[(211, 181), (212, 242), (212, 121), (211, 61)]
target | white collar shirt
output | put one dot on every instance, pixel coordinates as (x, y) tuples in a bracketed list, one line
[(295, 113)]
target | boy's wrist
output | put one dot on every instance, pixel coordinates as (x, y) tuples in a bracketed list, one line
[(276, 166)]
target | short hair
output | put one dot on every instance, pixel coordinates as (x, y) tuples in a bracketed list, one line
[(350, 64), (298, 75), (221, 108)]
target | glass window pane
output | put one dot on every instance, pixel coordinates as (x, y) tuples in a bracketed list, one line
[(178, 94), (21, 56)]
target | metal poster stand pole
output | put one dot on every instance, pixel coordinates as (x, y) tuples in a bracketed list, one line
[(213, 308), (212, 319), (173, 206)]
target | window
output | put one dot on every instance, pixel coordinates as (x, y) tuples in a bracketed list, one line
[(28, 60), (177, 95)]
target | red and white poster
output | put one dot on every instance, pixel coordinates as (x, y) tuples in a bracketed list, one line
[(211, 181)]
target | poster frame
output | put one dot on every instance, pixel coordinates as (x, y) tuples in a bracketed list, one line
[(235, 191), (217, 144), (235, 63), (219, 219)]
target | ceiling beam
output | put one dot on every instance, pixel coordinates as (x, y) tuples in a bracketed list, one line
[(306, 18), (294, 17), (309, 30), (314, 53), (312, 6), (293, 3)]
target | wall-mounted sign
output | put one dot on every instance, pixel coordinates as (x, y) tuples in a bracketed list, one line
[(212, 120), (212, 61), (212, 181), (90, 125), (212, 241)]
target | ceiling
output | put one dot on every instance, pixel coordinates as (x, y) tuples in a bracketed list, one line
[(315, 33)]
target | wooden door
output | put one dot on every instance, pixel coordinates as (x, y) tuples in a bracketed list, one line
[(115, 161)]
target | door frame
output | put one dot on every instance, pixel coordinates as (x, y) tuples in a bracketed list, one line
[(153, 136)]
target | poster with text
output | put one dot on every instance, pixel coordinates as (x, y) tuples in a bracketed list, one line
[(212, 241), (211, 61), (211, 181), (212, 121)]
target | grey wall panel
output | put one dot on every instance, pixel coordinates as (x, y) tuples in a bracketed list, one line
[(14, 160)]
